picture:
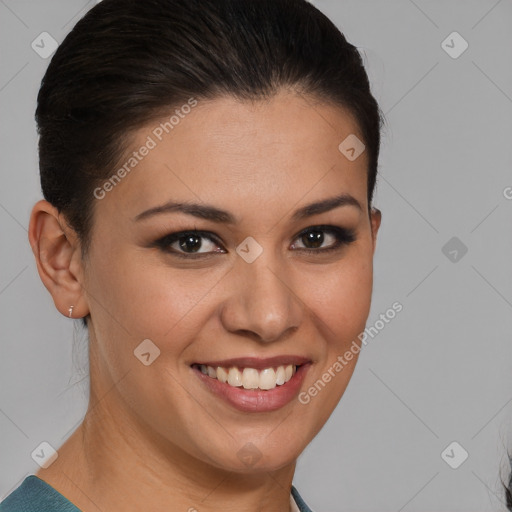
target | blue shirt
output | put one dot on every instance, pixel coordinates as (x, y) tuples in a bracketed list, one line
[(35, 495)]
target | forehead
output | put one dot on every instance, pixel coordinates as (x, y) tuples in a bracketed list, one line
[(272, 150)]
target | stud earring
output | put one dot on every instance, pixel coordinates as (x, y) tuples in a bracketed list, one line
[(71, 311)]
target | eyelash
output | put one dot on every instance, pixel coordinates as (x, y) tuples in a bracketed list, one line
[(343, 238)]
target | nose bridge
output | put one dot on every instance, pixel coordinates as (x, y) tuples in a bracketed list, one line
[(262, 300)]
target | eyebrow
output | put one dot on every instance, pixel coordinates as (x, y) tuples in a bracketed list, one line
[(208, 212)]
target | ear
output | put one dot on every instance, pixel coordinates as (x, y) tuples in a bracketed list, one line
[(57, 252), (375, 219)]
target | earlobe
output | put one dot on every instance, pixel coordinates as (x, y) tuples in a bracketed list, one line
[(55, 248)]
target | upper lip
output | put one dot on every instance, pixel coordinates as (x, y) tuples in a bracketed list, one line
[(257, 362)]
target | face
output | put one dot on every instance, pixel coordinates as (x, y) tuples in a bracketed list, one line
[(252, 284)]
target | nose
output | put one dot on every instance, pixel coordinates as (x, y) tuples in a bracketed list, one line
[(262, 303)]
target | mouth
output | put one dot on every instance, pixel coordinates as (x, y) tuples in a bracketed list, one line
[(250, 378), (252, 384)]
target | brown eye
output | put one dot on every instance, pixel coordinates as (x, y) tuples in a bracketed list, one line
[(201, 244), (189, 244), (315, 237)]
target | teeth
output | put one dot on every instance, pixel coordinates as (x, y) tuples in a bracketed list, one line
[(280, 376), (222, 374), (235, 377), (250, 378), (268, 378)]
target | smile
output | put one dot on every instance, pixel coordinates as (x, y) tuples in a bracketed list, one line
[(252, 384), (250, 378)]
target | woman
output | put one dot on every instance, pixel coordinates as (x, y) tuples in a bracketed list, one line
[(208, 169)]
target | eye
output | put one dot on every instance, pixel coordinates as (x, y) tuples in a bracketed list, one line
[(315, 237), (188, 244), (191, 244)]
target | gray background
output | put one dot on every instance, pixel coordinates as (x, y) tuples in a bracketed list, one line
[(441, 371)]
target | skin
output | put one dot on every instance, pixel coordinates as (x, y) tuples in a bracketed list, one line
[(153, 435)]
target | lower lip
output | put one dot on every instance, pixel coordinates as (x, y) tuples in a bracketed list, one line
[(250, 400)]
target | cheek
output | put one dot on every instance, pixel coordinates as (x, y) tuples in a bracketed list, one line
[(340, 298), (147, 300), (340, 308)]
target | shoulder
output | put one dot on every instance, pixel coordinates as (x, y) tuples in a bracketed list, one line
[(301, 504), (35, 495)]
